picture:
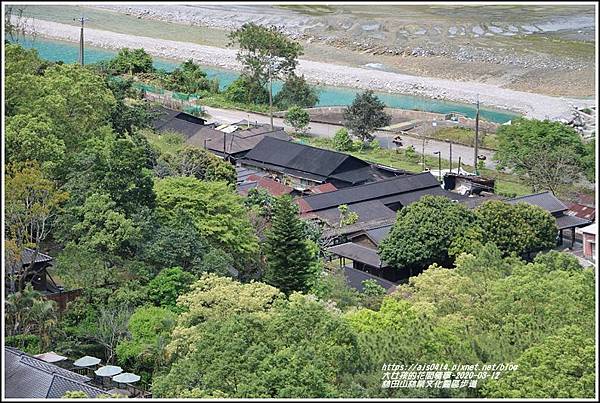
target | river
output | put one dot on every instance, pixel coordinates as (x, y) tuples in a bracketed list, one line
[(328, 96)]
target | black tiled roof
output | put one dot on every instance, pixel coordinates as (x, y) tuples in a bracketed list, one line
[(376, 190), (378, 234), (545, 200), (301, 157), (29, 377), (171, 120), (355, 279), (369, 210), (236, 142)]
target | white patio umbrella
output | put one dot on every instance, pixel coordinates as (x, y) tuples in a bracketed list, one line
[(126, 377), (50, 357), (108, 370), (87, 361)]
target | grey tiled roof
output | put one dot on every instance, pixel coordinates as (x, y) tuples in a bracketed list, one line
[(545, 200), (569, 221), (377, 190), (29, 377), (355, 279), (357, 253), (27, 256)]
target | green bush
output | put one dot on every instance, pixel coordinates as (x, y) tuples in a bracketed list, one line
[(342, 140), (296, 91), (28, 343), (246, 90)]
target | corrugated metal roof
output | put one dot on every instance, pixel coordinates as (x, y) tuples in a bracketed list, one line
[(582, 211)]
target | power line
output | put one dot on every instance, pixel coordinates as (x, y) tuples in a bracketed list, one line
[(82, 20)]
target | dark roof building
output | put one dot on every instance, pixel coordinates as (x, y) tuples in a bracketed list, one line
[(377, 201), (236, 143), (261, 182), (169, 120), (545, 200), (582, 211), (30, 378), (311, 166), (558, 209)]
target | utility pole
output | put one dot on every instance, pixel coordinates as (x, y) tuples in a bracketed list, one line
[(82, 20), (271, 92), (439, 154), (476, 149), (450, 155), (423, 154)]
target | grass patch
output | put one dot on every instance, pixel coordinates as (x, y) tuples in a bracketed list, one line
[(465, 136), (169, 142), (220, 101)]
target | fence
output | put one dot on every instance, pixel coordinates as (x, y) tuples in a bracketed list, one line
[(171, 99)]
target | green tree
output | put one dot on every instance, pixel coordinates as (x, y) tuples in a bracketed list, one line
[(190, 78), (287, 252), (547, 154), (168, 285), (519, 228), (31, 204), (78, 100), (588, 160), (298, 118), (178, 243), (213, 207), (132, 61), (118, 167), (101, 227), (246, 90), (561, 366), (265, 51), (217, 298), (144, 351), (28, 312), (201, 164), (296, 91), (423, 232), (365, 115), (342, 140), (299, 349), (33, 138)]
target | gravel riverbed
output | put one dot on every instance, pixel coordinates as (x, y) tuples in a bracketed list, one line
[(529, 104)]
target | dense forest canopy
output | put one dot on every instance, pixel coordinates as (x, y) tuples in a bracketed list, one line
[(155, 238)]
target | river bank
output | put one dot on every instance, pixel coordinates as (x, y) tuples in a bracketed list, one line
[(529, 104)]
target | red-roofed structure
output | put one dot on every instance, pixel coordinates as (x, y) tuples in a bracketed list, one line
[(273, 187), (582, 211), (323, 188)]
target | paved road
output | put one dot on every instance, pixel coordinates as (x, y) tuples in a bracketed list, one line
[(384, 138)]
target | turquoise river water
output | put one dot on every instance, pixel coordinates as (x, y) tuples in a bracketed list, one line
[(328, 96)]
